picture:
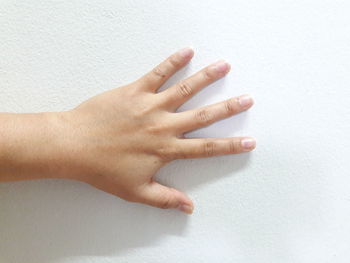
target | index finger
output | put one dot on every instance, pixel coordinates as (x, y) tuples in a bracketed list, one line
[(154, 79)]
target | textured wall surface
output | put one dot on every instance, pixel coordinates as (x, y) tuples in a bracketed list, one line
[(288, 201)]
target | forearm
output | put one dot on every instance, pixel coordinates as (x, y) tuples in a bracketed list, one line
[(29, 146)]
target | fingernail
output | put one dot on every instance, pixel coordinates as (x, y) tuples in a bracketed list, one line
[(221, 66), (186, 52), (186, 208), (245, 101), (248, 144)]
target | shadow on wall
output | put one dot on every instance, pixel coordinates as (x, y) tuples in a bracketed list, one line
[(51, 219)]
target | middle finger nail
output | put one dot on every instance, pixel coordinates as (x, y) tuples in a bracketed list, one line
[(221, 66)]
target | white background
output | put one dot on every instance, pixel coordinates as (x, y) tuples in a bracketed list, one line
[(288, 201)]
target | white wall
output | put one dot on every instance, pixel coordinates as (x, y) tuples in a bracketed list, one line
[(288, 201)]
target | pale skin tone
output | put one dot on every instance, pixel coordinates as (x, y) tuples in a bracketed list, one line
[(119, 139)]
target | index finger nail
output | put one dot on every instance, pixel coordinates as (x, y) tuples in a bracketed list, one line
[(186, 52)]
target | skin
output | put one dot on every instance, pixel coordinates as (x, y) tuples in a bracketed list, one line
[(117, 141)]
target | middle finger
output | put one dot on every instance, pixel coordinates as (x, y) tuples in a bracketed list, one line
[(198, 118), (178, 94)]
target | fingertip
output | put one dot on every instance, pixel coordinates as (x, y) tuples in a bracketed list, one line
[(248, 144), (245, 101), (221, 66), (186, 53), (185, 203), (251, 99), (186, 208)]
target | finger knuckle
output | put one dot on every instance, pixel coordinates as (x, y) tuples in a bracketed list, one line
[(184, 89), (163, 153), (179, 154), (208, 74), (166, 153), (203, 116), (159, 72), (233, 147), (155, 127), (165, 202), (209, 148), (229, 106), (174, 62), (140, 112)]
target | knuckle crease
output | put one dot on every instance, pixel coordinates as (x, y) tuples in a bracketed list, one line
[(184, 89), (158, 72), (209, 147)]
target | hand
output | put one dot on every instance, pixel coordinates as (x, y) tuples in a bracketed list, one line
[(117, 140), (122, 137)]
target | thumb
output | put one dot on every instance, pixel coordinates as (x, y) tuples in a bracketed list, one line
[(161, 196)]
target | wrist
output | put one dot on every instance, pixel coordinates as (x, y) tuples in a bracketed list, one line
[(32, 146)]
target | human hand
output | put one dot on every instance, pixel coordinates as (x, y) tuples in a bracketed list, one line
[(117, 140)]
